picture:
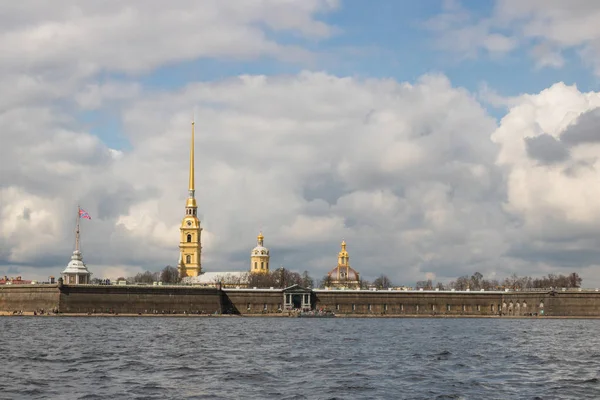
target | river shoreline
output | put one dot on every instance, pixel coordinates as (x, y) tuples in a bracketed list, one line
[(278, 315)]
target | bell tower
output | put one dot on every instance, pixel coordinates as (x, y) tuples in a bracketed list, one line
[(190, 248)]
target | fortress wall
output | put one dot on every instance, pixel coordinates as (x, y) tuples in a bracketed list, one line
[(252, 301), (572, 303), (148, 299), (408, 303), (568, 303), (28, 298), (139, 299)]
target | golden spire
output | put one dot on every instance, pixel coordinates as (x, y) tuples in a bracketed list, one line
[(191, 201), (343, 245), (192, 162)]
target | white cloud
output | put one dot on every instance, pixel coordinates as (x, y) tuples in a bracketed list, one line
[(546, 27)]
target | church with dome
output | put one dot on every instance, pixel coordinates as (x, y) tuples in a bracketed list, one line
[(344, 276), (259, 257)]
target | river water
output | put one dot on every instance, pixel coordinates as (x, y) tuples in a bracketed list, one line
[(291, 358)]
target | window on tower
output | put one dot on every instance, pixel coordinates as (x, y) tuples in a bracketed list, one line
[(255, 265), (188, 259), (189, 238), (262, 265)]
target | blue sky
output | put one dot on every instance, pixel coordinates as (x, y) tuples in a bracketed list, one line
[(385, 39)]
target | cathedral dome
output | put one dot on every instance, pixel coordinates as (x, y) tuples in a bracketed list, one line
[(260, 249), (341, 273)]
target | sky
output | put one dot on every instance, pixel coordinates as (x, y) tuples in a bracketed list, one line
[(436, 138)]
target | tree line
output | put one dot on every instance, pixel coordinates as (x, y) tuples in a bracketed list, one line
[(515, 282), (282, 277), (168, 274)]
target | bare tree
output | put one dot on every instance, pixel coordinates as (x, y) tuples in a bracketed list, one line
[(383, 282), (461, 283), (363, 284), (326, 281), (307, 280), (574, 280), (476, 279), (425, 285), (170, 274), (144, 277)]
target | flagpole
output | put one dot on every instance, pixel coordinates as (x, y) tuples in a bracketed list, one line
[(77, 230)]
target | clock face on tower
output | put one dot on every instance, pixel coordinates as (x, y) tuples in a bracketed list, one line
[(189, 223)]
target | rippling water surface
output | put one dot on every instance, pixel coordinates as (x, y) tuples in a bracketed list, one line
[(290, 358)]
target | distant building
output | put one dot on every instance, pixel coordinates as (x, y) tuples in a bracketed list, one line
[(259, 257), (343, 276), (13, 281)]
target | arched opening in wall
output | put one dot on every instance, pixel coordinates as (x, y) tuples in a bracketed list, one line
[(448, 307), (267, 265), (401, 307), (433, 307), (541, 308), (517, 308), (510, 308), (262, 265), (524, 306), (188, 259), (255, 265), (189, 238), (492, 308)]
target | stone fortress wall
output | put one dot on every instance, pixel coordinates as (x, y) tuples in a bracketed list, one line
[(29, 297), (134, 299)]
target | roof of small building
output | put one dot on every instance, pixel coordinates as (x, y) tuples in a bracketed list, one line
[(215, 277), (76, 265)]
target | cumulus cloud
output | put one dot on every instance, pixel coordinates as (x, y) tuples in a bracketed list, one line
[(546, 149), (546, 27), (554, 198)]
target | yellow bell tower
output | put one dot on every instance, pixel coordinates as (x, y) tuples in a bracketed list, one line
[(190, 248)]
